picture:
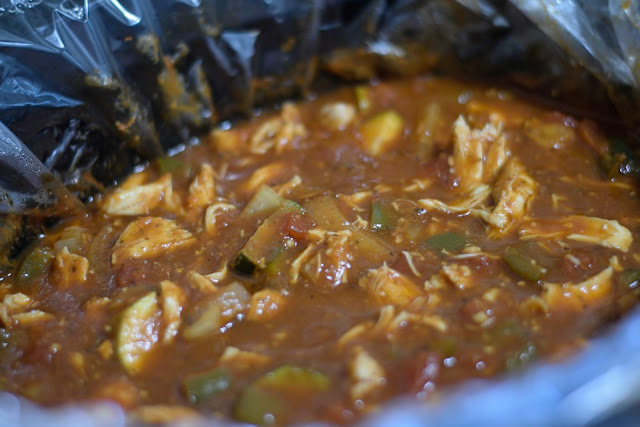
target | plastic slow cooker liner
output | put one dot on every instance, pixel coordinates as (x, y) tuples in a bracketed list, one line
[(91, 90)]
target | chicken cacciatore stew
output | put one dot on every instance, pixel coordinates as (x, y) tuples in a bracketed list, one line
[(319, 260)]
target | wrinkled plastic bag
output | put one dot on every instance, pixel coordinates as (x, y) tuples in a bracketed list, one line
[(95, 88)]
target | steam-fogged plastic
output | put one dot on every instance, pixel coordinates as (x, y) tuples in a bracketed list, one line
[(95, 88)]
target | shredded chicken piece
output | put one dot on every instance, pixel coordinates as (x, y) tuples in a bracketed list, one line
[(433, 300), (615, 264), (467, 255), (330, 264), (460, 275), (244, 360), (382, 188), (366, 374), (14, 303), (409, 257), (212, 213), (483, 318), (286, 188), (207, 283), (338, 115), (279, 132), (69, 269), (319, 235), (31, 317), (418, 185), (354, 332), (465, 204), (301, 260), (382, 326), (361, 223), (172, 299), (202, 191), (218, 275), (172, 202), (404, 318), (387, 314), (401, 320), (434, 321), (496, 155), (436, 282), (513, 193), (15, 311), (595, 290), (491, 295), (478, 154), (584, 229), (388, 286), (265, 304), (135, 198), (338, 256), (356, 199), (270, 174), (201, 282), (148, 237), (263, 139)]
